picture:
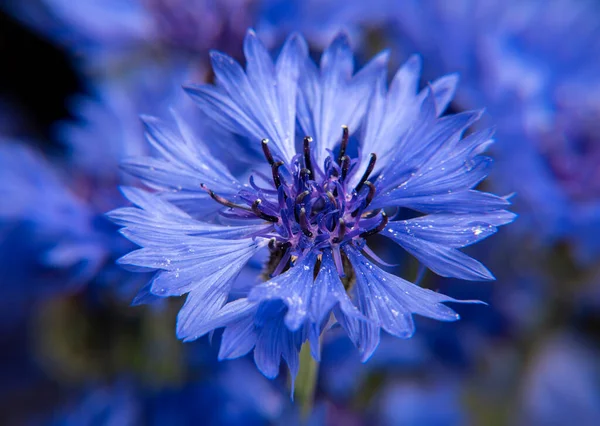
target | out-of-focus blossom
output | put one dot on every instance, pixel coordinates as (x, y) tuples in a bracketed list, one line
[(117, 33), (217, 399), (53, 233), (535, 66), (40, 216), (562, 385), (313, 208), (121, 33), (435, 402), (320, 20)]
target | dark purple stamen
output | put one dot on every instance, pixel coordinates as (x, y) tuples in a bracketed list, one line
[(341, 231), (331, 199), (307, 160), (262, 215), (379, 228), (222, 200), (365, 176), (275, 170), (304, 223), (310, 206), (344, 145), (345, 167), (371, 193), (267, 151), (302, 196)]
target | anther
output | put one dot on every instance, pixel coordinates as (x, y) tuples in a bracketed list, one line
[(275, 169), (371, 193), (379, 228), (331, 198), (365, 176), (222, 200), (302, 196), (341, 231), (368, 199), (345, 137), (345, 166), (304, 223), (305, 173), (262, 215), (267, 151), (307, 160)]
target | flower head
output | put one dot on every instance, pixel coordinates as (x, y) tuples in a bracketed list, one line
[(365, 153)]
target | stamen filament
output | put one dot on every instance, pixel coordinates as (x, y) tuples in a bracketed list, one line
[(267, 151), (275, 170), (307, 160), (344, 145), (365, 176), (304, 225), (222, 200), (371, 193), (379, 228), (345, 167), (262, 215)]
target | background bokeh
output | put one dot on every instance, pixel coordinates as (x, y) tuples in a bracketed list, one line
[(74, 78)]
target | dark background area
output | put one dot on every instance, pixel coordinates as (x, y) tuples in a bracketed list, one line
[(36, 79)]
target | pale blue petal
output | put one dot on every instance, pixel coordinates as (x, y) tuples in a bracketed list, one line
[(331, 97), (444, 89), (452, 230), (261, 103), (193, 263), (182, 164), (441, 259), (328, 292), (390, 302), (231, 313), (294, 288), (158, 223), (238, 339), (470, 201)]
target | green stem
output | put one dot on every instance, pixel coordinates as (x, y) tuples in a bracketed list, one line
[(306, 382)]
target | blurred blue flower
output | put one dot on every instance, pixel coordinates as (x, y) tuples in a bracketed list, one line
[(313, 208), (44, 227), (232, 395), (427, 403), (120, 32), (54, 235), (113, 33), (563, 383), (321, 20), (535, 65)]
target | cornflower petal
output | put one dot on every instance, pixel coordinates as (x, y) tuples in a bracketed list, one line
[(389, 302), (261, 103)]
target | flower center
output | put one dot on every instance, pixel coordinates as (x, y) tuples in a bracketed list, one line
[(310, 208)]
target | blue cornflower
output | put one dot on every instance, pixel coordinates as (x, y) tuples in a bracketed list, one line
[(54, 236), (535, 65), (45, 229), (561, 382), (222, 398), (410, 402), (363, 155)]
